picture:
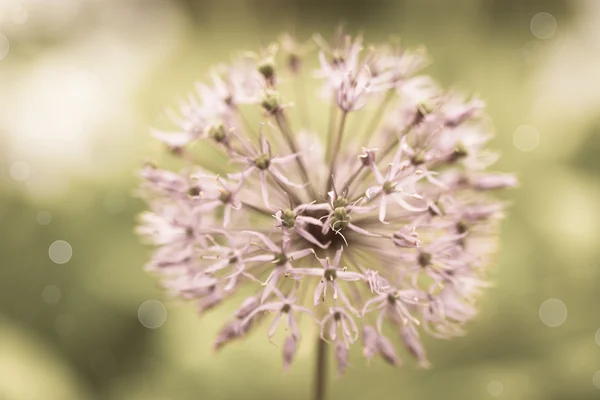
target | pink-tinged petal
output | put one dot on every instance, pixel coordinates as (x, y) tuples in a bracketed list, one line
[(235, 204), (326, 225), (348, 336), (310, 238), (261, 258), (337, 258), (333, 330), (283, 179), (362, 231), (378, 301), (296, 255), (308, 272), (406, 238), (373, 191), (264, 189), (430, 177), (309, 220), (318, 207), (387, 350), (323, 325), (210, 301), (226, 215), (268, 307), (370, 342), (363, 209), (284, 159), (382, 209), (268, 242), (323, 261), (341, 356), (238, 187), (413, 344), (349, 275), (240, 176), (379, 322), (274, 324), (494, 181), (305, 311), (247, 306), (218, 266), (404, 313), (211, 205), (252, 278), (354, 328), (271, 284), (398, 198), (293, 324), (397, 158), (319, 292), (232, 281), (346, 301), (174, 139), (250, 149), (265, 147), (289, 351), (228, 333)]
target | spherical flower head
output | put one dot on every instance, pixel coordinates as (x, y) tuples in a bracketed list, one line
[(391, 224)]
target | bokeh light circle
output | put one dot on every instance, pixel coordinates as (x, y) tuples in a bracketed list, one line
[(543, 25), (553, 312), (44, 218), (60, 252), (19, 14), (596, 379), (526, 138), (495, 388), (4, 46), (19, 171), (152, 314), (51, 294)]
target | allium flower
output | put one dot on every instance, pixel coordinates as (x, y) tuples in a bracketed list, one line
[(391, 227)]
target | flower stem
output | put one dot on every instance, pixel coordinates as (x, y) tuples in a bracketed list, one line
[(320, 382), (376, 120), (300, 87), (284, 127), (336, 149)]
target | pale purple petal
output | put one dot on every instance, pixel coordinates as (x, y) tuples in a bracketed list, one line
[(264, 189), (383, 209), (319, 292), (274, 324), (306, 235), (289, 351), (362, 231), (399, 198), (284, 159), (296, 255), (341, 356), (268, 242), (387, 351)]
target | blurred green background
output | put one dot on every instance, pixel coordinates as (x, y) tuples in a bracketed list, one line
[(81, 81)]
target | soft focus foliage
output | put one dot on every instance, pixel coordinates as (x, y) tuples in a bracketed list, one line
[(84, 79)]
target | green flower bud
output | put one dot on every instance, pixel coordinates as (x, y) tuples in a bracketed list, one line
[(270, 102), (262, 162), (289, 218), (389, 187), (217, 133)]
